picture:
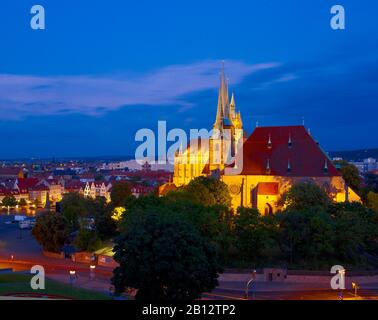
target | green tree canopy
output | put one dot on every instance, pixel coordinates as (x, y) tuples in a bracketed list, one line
[(87, 240), (22, 202), (51, 231), (9, 201), (217, 190), (213, 222), (350, 174), (121, 191), (105, 226), (165, 258), (74, 206), (205, 191), (307, 236), (372, 200), (255, 236), (303, 196)]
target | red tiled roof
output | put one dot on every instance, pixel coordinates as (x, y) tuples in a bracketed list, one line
[(6, 171), (142, 189), (87, 175), (24, 183), (305, 156), (8, 192), (267, 188), (73, 186)]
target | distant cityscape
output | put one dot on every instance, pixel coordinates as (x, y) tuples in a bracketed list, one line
[(42, 184)]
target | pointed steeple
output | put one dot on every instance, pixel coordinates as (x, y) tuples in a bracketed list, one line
[(232, 103), (223, 109), (232, 107), (225, 103), (219, 118)]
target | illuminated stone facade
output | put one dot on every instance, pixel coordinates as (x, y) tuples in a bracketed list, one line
[(271, 160)]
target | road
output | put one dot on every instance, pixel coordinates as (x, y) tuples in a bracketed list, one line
[(227, 294)]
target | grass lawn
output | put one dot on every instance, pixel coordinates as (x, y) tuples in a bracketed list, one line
[(20, 283)]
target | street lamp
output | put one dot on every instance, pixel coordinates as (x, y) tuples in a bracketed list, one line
[(72, 277), (92, 271), (250, 281), (355, 287), (342, 282)]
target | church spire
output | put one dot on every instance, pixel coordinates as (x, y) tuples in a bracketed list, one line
[(232, 107), (223, 105)]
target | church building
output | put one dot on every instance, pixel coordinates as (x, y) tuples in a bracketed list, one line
[(270, 160)]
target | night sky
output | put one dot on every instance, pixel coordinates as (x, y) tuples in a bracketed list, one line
[(101, 70)]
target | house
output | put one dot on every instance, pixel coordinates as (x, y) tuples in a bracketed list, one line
[(55, 187), (97, 189), (39, 194), (140, 190), (11, 172), (74, 186), (87, 177)]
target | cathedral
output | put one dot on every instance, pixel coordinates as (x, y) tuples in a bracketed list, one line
[(268, 162)]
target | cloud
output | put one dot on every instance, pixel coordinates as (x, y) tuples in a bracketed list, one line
[(27, 95)]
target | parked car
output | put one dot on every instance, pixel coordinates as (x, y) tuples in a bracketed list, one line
[(24, 224), (32, 222)]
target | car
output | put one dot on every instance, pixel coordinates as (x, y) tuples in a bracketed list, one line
[(24, 224), (32, 222)]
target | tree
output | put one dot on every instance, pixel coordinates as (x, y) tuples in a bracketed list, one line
[(104, 224), (37, 202), (355, 232), (372, 200), (217, 188), (74, 206), (350, 174), (87, 240), (213, 222), (197, 193), (205, 191), (22, 202), (164, 258), (9, 201), (307, 236), (121, 191), (255, 235), (303, 196), (371, 181), (51, 231)]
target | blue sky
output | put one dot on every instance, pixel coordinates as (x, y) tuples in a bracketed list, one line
[(104, 69)]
